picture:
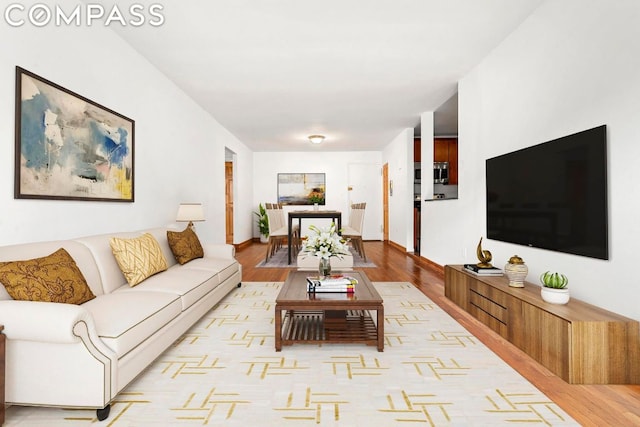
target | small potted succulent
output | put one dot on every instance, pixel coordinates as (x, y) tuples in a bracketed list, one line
[(554, 288)]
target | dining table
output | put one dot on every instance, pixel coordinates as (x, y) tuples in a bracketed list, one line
[(300, 215)]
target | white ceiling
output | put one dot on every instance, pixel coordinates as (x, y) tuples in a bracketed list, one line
[(358, 71)]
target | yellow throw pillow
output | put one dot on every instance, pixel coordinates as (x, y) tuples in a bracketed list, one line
[(138, 258), (185, 245), (54, 278)]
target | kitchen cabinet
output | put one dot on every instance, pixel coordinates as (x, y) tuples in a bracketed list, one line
[(446, 150)]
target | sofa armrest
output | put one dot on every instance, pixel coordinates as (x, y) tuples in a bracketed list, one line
[(42, 321), (219, 250)]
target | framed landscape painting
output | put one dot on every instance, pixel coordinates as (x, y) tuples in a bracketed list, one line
[(301, 188), (69, 147)]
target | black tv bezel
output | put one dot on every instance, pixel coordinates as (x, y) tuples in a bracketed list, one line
[(602, 252)]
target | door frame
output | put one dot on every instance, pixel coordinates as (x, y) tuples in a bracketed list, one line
[(385, 202), (228, 201)]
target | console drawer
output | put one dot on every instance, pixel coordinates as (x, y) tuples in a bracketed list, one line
[(489, 306)]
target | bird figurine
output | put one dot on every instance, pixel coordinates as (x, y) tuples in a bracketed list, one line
[(484, 256)]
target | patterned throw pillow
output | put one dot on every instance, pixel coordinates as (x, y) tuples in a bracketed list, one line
[(138, 258), (185, 245), (54, 278)]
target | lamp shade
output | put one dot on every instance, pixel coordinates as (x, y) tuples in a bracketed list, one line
[(188, 212)]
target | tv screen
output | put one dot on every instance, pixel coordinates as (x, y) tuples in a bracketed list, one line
[(552, 195)]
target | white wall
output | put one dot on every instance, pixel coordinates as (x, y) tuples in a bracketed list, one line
[(399, 156), (335, 166), (571, 66), (179, 148), (426, 155)]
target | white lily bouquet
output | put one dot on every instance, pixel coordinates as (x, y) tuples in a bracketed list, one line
[(325, 243)]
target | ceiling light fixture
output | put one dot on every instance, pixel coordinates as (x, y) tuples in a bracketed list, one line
[(316, 139)]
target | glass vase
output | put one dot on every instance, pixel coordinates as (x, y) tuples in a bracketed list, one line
[(324, 267)]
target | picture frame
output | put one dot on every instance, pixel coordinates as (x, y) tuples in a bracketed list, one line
[(301, 188), (68, 147)]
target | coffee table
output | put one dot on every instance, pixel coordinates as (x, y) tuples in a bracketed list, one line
[(328, 317)]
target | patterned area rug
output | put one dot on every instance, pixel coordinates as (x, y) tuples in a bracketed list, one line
[(225, 372), (279, 260)]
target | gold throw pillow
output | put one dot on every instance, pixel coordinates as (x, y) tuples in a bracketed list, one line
[(53, 278), (138, 258), (185, 245)]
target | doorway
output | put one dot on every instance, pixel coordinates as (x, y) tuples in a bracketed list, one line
[(229, 194), (385, 202), (362, 188), (228, 201)]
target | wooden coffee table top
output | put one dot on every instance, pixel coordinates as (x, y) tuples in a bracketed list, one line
[(326, 317), (294, 292)]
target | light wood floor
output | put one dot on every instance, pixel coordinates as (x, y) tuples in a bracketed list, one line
[(590, 405)]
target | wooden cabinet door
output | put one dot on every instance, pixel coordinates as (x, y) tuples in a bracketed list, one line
[(446, 150), (417, 150), (453, 161), (440, 150), (456, 287), (547, 340)]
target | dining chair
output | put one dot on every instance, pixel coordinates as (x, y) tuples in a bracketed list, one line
[(277, 230), (353, 230), (295, 229)]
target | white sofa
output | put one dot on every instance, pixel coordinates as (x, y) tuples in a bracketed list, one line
[(82, 356)]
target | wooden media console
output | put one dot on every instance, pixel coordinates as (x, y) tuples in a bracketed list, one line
[(579, 342)]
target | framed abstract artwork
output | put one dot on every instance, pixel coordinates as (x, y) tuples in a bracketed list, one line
[(69, 147), (301, 188)]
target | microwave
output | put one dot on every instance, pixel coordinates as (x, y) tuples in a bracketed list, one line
[(441, 172)]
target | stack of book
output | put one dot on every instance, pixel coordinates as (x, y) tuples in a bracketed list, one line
[(336, 283), (482, 271)]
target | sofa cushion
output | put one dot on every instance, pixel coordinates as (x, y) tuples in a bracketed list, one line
[(225, 268), (139, 257), (53, 278), (185, 245), (189, 284), (124, 320)]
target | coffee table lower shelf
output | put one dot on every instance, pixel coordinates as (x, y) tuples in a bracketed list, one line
[(314, 327)]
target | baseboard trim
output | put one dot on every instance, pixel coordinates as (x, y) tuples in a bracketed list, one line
[(246, 243), (396, 246), (427, 263), (424, 262)]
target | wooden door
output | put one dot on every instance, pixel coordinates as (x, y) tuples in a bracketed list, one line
[(228, 193), (385, 202)]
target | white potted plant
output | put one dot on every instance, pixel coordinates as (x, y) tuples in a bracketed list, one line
[(554, 288), (262, 219)]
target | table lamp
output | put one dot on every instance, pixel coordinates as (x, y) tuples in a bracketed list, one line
[(190, 212)]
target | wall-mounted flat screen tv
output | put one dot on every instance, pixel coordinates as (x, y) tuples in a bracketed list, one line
[(552, 195)]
